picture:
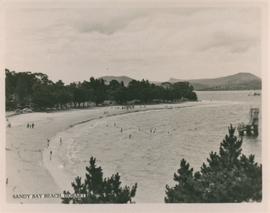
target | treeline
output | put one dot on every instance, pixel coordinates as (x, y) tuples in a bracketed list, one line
[(35, 90), (228, 177)]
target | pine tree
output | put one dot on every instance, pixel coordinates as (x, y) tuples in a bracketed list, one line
[(100, 190), (185, 191), (228, 176)]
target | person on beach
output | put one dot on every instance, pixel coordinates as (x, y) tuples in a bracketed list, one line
[(60, 140), (6, 181), (33, 125), (129, 136), (48, 143), (121, 130), (51, 155), (27, 126)]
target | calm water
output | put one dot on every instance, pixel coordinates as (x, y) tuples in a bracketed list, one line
[(150, 159)]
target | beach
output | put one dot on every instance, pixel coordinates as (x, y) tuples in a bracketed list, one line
[(144, 144), (28, 168)]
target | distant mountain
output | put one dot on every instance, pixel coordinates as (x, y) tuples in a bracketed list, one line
[(125, 79), (239, 81)]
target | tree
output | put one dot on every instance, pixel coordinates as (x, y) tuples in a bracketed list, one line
[(186, 190), (99, 90), (10, 81), (26, 89), (98, 189), (23, 88), (43, 96), (229, 177)]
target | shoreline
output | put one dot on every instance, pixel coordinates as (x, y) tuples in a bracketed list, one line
[(56, 167), (30, 156), (25, 147)]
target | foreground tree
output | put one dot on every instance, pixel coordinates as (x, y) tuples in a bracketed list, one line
[(98, 189), (229, 177)]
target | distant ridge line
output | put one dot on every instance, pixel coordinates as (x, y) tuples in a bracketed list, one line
[(239, 81)]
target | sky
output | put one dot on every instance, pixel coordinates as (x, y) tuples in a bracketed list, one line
[(72, 42)]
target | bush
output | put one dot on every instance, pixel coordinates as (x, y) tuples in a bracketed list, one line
[(229, 177), (100, 190)]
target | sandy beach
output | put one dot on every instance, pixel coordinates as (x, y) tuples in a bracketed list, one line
[(143, 144), (29, 169)]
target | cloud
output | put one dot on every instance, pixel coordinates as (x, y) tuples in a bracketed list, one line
[(105, 26), (153, 43), (235, 43)]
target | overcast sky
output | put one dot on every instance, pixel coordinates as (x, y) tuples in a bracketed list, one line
[(75, 42)]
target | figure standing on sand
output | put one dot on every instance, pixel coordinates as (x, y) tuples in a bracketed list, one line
[(60, 140), (129, 136), (48, 143), (30, 125), (121, 130), (51, 155)]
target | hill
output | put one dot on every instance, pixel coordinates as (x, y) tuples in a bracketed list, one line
[(239, 81)]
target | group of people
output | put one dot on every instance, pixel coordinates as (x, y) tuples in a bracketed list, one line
[(30, 125), (152, 130), (128, 107)]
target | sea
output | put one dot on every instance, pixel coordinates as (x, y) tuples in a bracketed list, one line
[(146, 147)]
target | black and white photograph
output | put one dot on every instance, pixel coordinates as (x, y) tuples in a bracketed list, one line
[(134, 102)]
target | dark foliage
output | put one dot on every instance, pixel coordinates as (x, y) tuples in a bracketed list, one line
[(35, 90), (228, 177), (100, 190)]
